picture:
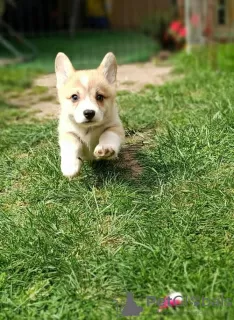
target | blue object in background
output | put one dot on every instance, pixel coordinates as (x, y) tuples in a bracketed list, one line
[(98, 22)]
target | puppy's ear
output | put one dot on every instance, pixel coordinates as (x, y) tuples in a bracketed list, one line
[(109, 67), (63, 69)]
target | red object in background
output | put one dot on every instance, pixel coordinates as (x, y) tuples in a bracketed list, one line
[(208, 31), (177, 30), (182, 32), (174, 36), (195, 20), (175, 26)]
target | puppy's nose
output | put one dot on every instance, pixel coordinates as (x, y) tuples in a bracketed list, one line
[(89, 114)]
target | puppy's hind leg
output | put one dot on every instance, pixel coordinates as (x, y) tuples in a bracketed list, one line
[(70, 150)]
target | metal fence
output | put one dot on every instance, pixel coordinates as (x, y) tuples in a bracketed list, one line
[(39, 17), (51, 24), (89, 28)]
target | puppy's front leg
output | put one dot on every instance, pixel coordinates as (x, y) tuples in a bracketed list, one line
[(70, 147), (109, 144)]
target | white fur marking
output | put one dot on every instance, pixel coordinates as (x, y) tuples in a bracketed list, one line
[(84, 81)]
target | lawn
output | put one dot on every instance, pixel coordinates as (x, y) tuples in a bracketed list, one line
[(87, 49), (70, 248)]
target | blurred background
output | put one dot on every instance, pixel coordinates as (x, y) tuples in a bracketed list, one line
[(135, 30)]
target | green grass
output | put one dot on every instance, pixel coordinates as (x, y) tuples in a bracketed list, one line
[(13, 79), (87, 49), (10, 113), (212, 57), (68, 248)]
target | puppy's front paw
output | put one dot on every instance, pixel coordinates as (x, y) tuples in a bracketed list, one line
[(105, 152), (70, 168)]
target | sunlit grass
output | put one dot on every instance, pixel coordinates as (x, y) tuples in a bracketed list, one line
[(69, 248)]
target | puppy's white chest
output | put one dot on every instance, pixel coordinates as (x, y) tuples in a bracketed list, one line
[(90, 140)]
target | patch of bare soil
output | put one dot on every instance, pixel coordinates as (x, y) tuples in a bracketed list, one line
[(6, 62), (128, 159), (133, 77)]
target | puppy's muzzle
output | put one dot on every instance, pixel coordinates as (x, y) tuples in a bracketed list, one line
[(89, 114)]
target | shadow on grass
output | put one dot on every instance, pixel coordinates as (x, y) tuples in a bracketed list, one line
[(108, 171), (134, 167)]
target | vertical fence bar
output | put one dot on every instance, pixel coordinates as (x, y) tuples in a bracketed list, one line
[(188, 26)]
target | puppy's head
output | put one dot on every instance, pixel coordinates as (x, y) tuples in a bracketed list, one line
[(86, 96)]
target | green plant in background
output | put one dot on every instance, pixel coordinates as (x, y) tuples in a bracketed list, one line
[(210, 57), (156, 24)]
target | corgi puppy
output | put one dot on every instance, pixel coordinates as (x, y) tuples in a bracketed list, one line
[(89, 124)]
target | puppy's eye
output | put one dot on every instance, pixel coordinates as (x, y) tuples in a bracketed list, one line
[(99, 97), (74, 97)]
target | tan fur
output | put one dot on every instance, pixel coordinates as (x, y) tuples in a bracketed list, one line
[(80, 138)]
